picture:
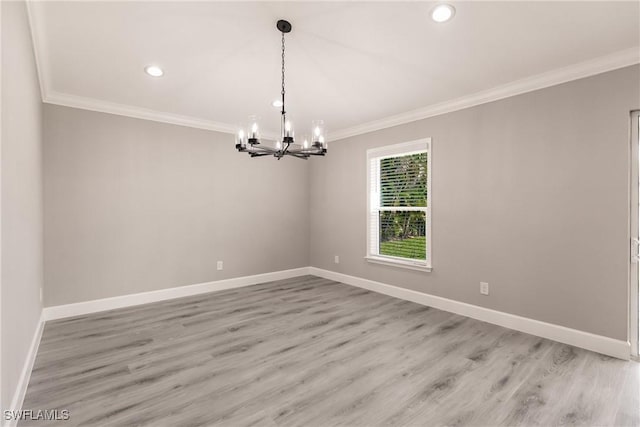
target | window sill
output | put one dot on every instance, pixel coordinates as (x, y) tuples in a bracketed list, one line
[(398, 263)]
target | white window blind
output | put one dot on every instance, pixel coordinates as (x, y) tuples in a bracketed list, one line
[(399, 208)]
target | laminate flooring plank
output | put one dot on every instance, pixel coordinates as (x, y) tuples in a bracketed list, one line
[(307, 351)]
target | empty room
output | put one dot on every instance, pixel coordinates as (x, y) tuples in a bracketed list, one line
[(330, 213)]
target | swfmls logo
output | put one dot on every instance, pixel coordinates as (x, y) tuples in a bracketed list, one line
[(37, 415)]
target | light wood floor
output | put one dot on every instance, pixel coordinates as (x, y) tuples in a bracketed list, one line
[(311, 352)]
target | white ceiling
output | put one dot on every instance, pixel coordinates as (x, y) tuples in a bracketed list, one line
[(348, 63)]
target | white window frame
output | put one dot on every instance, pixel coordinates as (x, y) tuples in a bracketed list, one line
[(373, 173)]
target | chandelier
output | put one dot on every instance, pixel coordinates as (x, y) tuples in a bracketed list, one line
[(248, 141)]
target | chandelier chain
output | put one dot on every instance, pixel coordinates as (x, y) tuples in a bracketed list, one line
[(283, 65)]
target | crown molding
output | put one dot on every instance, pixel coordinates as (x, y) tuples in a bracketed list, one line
[(580, 70), (50, 96), (135, 112), (101, 106), (38, 42), (577, 71)]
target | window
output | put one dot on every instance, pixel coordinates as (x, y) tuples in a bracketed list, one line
[(399, 205)]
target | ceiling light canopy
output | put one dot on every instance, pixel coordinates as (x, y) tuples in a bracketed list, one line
[(248, 140), (443, 12), (154, 71)]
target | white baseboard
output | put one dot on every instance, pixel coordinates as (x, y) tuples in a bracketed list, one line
[(25, 375), (86, 307), (598, 343)]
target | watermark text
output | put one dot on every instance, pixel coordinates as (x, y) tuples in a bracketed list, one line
[(37, 415)]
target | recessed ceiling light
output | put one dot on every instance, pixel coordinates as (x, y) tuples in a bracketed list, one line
[(277, 103), (153, 70), (443, 12)]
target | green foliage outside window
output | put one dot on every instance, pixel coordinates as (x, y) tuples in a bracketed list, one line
[(403, 183)]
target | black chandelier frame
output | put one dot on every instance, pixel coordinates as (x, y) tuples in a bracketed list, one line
[(250, 143)]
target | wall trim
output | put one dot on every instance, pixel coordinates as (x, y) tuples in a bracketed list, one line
[(104, 304), (528, 84), (25, 375), (92, 104), (38, 40), (598, 343), (580, 70), (558, 76)]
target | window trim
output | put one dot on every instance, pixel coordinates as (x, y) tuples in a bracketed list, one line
[(405, 148)]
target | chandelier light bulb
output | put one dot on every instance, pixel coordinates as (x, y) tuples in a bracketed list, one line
[(241, 140), (254, 130), (305, 142), (318, 132)]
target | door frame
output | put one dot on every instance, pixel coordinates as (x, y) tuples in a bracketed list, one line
[(634, 252)]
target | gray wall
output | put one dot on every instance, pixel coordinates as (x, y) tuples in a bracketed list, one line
[(21, 178), (530, 194), (134, 206)]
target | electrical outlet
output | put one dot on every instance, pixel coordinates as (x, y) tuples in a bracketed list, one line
[(336, 259), (220, 265), (484, 288)]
